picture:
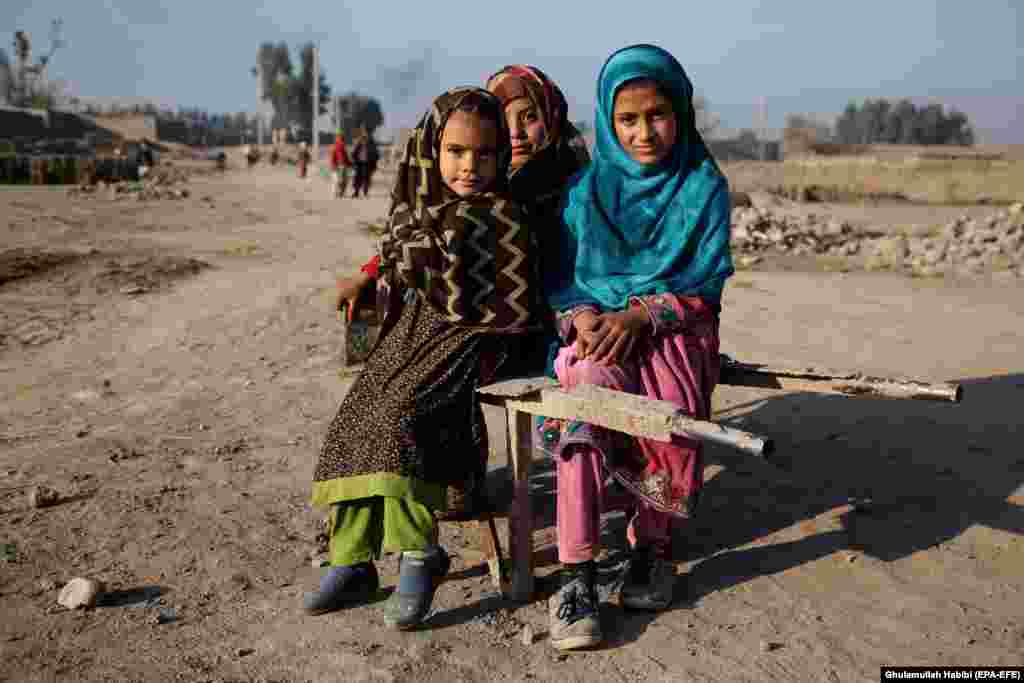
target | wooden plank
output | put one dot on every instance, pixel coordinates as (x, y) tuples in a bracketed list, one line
[(822, 381), (637, 415), (520, 519), (497, 393), (629, 413)]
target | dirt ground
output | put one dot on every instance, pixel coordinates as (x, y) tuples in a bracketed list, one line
[(170, 367)]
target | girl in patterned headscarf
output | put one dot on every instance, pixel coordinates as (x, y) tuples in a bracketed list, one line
[(457, 292), (643, 258), (547, 151)]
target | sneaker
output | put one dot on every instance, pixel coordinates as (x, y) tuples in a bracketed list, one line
[(343, 586), (419, 575), (649, 582), (573, 613)]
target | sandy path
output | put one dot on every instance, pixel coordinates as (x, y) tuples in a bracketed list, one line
[(191, 472)]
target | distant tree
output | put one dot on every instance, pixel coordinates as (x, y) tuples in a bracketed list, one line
[(819, 131), (274, 69), (359, 111), (290, 94), (6, 78), (304, 85), (882, 121), (25, 84)]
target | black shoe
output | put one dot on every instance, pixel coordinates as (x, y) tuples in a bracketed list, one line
[(649, 582), (418, 579), (343, 586), (574, 618)]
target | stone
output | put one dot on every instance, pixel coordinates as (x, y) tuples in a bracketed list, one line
[(166, 615), (527, 635), (888, 252), (79, 593), (741, 199), (1016, 209), (43, 496)]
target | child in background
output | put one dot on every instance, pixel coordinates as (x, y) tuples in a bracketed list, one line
[(304, 158), (644, 256), (459, 294), (340, 164)]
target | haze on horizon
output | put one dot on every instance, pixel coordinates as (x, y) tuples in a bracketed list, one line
[(800, 58)]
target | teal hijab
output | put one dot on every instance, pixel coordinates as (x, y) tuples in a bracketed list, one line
[(632, 229)]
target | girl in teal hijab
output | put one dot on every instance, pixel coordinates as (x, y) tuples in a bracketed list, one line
[(638, 228), (643, 257)]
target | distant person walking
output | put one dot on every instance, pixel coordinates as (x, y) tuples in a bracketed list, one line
[(304, 158), (340, 165), (365, 156)]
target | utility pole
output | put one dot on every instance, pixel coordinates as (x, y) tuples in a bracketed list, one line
[(316, 103), (257, 72)]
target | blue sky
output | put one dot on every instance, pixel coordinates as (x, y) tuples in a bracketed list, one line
[(800, 57)]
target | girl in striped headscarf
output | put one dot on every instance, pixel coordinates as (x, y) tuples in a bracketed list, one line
[(458, 294)]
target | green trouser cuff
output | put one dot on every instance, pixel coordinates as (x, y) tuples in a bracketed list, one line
[(361, 530)]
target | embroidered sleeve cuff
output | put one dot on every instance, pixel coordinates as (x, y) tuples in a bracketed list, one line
[(667, 311)]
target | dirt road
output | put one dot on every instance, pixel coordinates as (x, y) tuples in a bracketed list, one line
[(170, 370)]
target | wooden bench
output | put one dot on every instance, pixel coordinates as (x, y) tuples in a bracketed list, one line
[(525, 398)]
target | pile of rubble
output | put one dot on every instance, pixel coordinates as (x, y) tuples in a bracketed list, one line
[(140, 190), (756, 230), (966, 246), (162, 182)]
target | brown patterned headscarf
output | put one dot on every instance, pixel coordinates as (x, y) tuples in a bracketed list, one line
[(467, 256), (541, 179)]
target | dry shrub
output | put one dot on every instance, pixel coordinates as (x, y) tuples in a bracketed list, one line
[(937, 181)]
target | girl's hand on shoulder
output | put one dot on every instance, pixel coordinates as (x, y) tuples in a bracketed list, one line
[(616, 333)]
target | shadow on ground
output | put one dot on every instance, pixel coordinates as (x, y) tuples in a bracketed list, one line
[(904, 476)]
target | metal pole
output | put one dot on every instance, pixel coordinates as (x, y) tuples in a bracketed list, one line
[(316, 104)]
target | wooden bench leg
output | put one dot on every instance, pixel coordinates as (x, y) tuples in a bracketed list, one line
[(491, 547), (520, 519)]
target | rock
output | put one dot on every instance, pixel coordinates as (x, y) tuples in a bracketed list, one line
[(889, 252), (768, 646), (79, 593), (741, 199), (835, 228), (244, 651), (1016, 209), (43, 496), (527, 635), (166, 615)]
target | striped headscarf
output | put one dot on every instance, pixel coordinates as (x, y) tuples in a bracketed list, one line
[(470, 257)]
